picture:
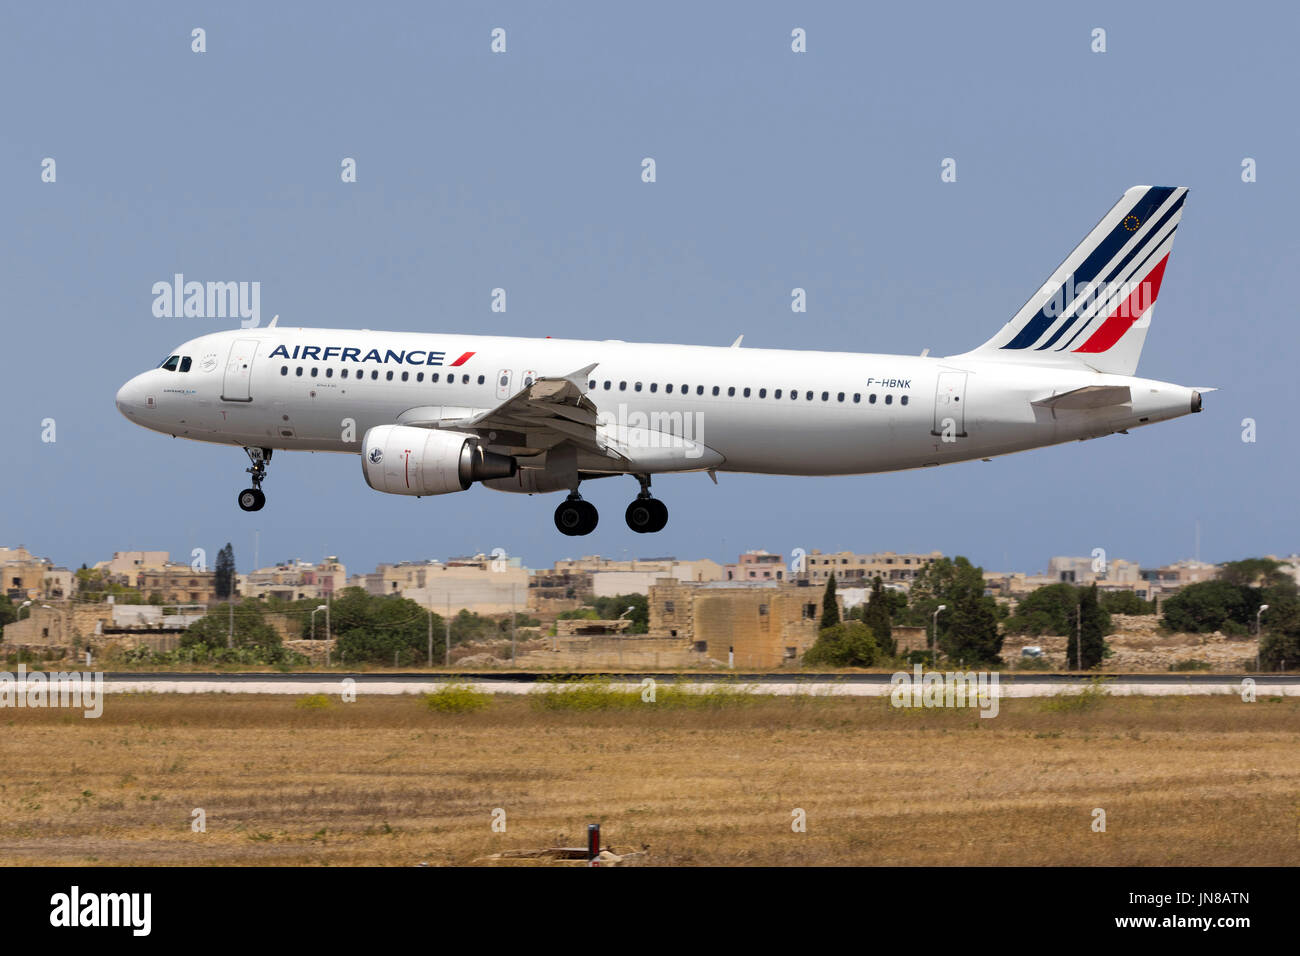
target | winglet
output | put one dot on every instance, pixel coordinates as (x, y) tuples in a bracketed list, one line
[(271, 324), (736, 344)]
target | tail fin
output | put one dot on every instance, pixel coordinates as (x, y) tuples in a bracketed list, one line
[(1095, 309)]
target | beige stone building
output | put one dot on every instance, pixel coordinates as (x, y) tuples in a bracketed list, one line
[(178, 584), (765, 624), (850, 568), (29, 578)]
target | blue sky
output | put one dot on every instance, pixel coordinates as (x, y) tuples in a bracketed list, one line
[(522, 170)]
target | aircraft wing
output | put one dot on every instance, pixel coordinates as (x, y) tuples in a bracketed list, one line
[(549, 411)]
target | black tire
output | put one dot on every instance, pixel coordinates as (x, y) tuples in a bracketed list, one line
[(590, 517), (660, 515), (250, 499), (640, 515), (574, 518)]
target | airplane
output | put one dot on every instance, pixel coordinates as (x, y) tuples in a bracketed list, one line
[(431, 414)]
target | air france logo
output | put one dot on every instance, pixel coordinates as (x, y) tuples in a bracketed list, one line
[(376, 456), (338, 353)]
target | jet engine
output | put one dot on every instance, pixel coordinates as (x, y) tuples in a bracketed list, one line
[(405, 460)]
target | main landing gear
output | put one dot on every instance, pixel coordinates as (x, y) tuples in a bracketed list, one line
[(646, 515), (252, 499), (575, 516)]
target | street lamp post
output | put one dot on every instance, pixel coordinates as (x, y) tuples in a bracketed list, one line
[(1259, 641), (25, 604), (934, 634)]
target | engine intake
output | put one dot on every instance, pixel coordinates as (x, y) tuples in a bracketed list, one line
[(404, 460)]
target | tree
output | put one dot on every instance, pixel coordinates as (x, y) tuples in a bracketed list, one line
[(1045, 610), (877, 618), (379, 629), (968, 629), (610, 608), (251, 629), (830, 607), (8, 613), (1253, 572), (223, 579), (1125, 602), (1093, 624), (1212, 606), (848, 644)]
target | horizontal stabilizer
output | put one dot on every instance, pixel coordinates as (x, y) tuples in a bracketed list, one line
[(1090, 396)]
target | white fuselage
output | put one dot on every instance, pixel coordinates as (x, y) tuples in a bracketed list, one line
[(853, 414)]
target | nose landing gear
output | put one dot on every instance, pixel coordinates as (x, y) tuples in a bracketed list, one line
[(252, 499), (646, 515)]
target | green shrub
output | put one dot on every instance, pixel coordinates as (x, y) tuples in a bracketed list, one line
[(314, 702), (1191, 664), (457, 699)]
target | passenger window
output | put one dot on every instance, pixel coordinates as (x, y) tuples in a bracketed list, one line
[(622, 386), (389, 375), (298, 371), (433, 377), (871, 398), (669, 388), (419, 376), (171, 363), (903, 400), (185, 363), (889, 399), (810, 396), (329, 373), (482, 379), (638, 386), (746, 392), (794, 394), (840, 397), (374, 374), (314, 371), (715, 390), (284, 370), (762, 393), (699, 389), (777, 393), (406, 376), (343, 374), (464, 380), (608, 383), (654, 386), (731, 391), (857, 397)]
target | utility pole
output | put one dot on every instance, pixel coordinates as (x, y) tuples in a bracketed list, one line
[(1078, 634), (514, 661), (230, 634), (447, 625)]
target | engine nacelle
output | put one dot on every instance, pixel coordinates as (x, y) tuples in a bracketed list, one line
[(405, 460)]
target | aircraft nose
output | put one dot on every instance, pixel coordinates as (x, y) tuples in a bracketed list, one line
[(130, 397)]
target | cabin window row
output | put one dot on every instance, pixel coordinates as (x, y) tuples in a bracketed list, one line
[(374, 375), (746, 392)]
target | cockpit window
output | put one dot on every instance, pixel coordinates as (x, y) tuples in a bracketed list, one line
[(171, 363), (185, 363)]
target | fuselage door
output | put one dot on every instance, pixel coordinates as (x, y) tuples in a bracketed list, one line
[(503, 384), (239, 371), (950, 405)]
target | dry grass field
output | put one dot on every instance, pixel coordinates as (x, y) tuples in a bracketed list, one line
[(386, 780)]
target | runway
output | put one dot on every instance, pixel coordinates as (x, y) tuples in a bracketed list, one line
[(849, 685)]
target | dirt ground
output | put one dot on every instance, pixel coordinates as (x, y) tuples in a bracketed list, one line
[(1182, 780)]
